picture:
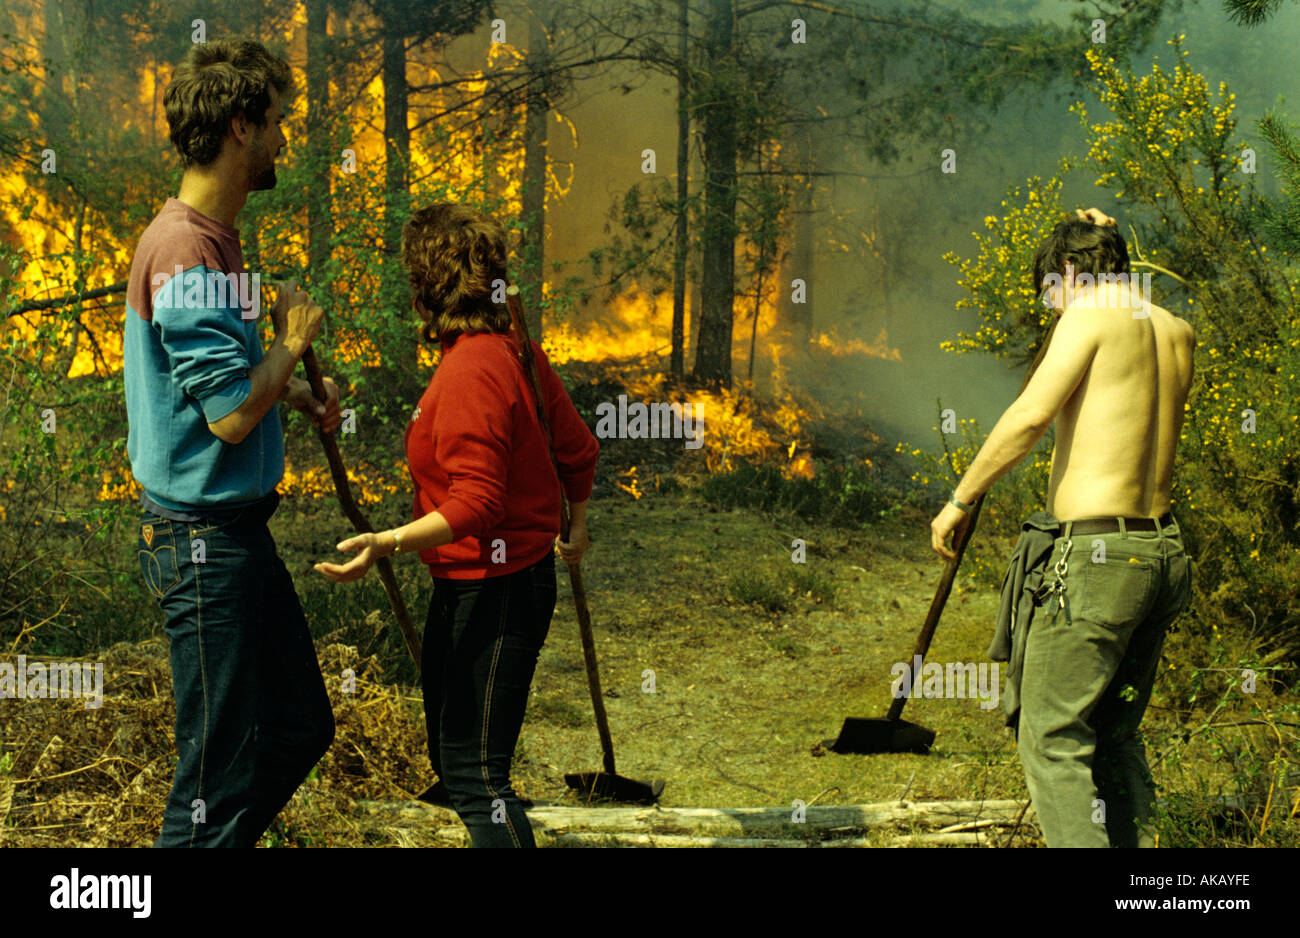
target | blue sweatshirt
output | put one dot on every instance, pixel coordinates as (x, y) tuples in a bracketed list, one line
[(188, 350)]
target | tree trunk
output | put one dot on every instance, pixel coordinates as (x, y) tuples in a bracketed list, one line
[(533, 204), (717, 289), (696, 303), (677, 366), (78, 283), (821, 825), (397, 136), (796, 318), (319, 207)]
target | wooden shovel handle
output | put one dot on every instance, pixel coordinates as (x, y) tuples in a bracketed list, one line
[(575, 572), (959, 549), (936, 608), (354, 513)]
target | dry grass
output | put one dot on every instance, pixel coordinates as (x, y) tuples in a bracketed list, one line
[(742, 695), (99, 778)]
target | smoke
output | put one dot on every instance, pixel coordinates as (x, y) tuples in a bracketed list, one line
[(881, 230)]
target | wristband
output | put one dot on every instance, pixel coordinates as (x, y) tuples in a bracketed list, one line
[(397, 541), (962, 505)]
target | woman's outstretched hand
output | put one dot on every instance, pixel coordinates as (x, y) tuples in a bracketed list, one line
[(367, 553)]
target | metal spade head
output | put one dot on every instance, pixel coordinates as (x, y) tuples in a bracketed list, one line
[(614, 787), (872, 736)]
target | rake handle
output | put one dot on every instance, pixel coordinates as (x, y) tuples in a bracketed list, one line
[(359, 521), (959, 549), (575, 571)]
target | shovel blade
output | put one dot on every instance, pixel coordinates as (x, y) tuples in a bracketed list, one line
[(614, 787), (873, 736)]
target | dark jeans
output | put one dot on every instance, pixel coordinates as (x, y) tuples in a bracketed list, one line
[(252, 715), (481, 644)]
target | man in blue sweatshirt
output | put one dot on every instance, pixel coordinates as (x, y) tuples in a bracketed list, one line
[(206, 446)]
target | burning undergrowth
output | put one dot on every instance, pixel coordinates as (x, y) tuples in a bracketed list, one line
[(781, 449)]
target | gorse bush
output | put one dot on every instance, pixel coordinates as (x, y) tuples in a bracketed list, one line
[(1190, 213)]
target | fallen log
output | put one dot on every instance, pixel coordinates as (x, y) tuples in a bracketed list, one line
[(954, 839), (829, 825), (822, 820)]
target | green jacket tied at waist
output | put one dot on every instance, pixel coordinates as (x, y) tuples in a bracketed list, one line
[(1015, 613)]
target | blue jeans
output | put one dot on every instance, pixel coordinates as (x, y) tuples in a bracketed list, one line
[(252, 715), (481, 644)]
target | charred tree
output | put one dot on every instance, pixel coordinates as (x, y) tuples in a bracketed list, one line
[(717, 275)]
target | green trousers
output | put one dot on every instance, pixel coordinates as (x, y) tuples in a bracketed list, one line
[(1090, 661)]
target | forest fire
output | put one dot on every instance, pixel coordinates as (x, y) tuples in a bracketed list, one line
[(634, 327), (740, 424), (766, 420), (842, 348)]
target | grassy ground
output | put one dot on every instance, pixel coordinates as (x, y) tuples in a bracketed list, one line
[(755, 661)]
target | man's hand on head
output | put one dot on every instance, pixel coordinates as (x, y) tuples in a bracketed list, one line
[(1097, 217)]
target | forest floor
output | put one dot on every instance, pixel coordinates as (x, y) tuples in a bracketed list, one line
[(755, 661)]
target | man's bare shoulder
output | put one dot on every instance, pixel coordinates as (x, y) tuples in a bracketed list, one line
[(1183, 327)]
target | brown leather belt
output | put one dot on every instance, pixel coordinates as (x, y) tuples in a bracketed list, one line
[(1109, 525)]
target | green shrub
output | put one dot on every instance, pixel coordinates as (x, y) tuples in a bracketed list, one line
[(759, 588), (839, 495)]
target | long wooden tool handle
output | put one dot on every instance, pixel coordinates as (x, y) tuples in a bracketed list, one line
[(959, 549), (575, 572), (936, 609), (593, 671), (355, 515)]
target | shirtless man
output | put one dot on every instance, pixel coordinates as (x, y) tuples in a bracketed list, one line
[(1115, 378)]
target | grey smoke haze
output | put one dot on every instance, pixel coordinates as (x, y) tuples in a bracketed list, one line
[(919, 212)]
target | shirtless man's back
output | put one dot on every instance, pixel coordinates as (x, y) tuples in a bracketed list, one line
[(1117, 434)]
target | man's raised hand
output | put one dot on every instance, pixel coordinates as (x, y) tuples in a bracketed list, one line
[(1096, 216), (295, 317)]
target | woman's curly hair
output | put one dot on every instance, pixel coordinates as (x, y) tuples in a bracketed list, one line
[(453, 256)]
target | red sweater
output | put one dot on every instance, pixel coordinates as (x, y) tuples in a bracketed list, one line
[(479, 457)]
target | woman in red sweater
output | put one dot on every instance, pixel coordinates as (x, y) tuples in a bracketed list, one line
[(487, 509)]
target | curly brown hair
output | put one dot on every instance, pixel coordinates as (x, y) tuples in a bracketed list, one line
[(216, 82), (453, 255)]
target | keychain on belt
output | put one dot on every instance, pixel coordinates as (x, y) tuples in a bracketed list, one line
[(1058, 585)]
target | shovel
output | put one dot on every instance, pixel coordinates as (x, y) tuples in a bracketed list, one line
[(869, 736), (607, 784)]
